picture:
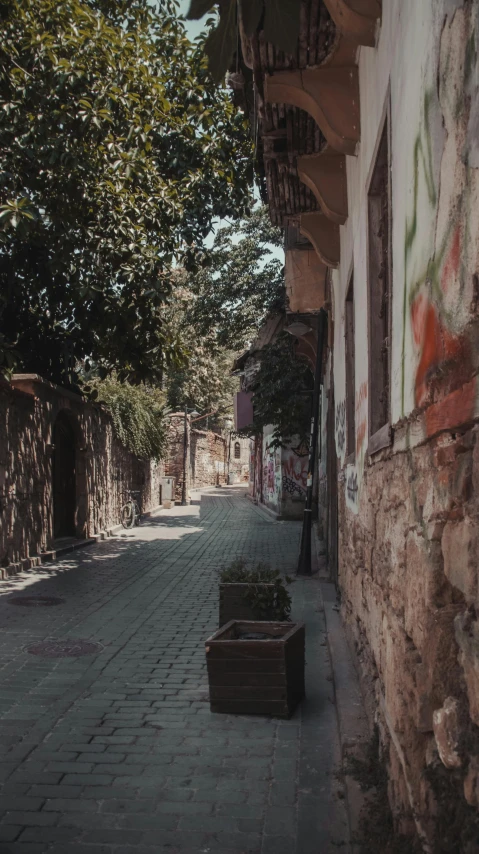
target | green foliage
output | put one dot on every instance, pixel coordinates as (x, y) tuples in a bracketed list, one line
[(117, 151), (138, 414), (241, 283), (268, 603), (216, 311), (282, 393), (280, 25), (202, 380)]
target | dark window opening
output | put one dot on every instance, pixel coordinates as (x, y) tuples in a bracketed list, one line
[(237, 450), (350, 371), (379, 206)]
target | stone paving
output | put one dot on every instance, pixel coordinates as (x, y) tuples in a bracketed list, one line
[(118, 751)]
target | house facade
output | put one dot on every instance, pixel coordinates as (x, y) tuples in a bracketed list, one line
[(369, 139)]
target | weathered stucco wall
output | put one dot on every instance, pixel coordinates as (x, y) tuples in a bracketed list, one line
[(104, 469), (409, 515), (278, 475)]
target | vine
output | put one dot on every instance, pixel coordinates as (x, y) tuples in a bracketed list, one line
[(138, 414)]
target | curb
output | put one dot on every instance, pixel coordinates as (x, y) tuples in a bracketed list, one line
[(353, 727)]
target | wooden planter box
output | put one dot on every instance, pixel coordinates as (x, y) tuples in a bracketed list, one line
[(256, 676), (233, 605)]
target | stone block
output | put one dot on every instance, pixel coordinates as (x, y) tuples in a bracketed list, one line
[(467, 636), (447, 732), (460, 547), (471, 783)]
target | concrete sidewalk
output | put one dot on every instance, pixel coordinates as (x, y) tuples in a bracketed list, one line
[(116, 750)]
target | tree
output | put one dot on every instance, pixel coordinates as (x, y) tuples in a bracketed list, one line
[(116, 153), (242, 283), (282, 392), (203, 378)]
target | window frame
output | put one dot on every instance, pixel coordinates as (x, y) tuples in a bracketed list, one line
[(350, 368), (383, 436)]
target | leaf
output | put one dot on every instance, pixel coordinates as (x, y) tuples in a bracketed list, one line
[(221, 42), (251, 11), (281, 24), (198, 8)]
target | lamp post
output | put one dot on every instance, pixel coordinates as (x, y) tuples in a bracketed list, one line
[(185, 453), (228, 426)]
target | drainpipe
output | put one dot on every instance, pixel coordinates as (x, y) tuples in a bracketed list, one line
[(304, 562)]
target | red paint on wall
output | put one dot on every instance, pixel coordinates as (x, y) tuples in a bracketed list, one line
[(441, 353)]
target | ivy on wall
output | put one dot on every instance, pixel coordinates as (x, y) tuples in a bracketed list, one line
[(138, 413)]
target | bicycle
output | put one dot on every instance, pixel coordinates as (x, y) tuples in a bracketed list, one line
[(131, 511)]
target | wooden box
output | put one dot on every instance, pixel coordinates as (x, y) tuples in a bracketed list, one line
[(233, 605), (261, 675)]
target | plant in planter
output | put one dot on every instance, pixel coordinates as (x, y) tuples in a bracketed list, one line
[(253, 593)]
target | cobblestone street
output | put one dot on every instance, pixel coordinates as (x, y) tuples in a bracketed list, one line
[(117, 751)]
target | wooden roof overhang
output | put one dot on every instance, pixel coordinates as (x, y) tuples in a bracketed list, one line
[(308, 117)]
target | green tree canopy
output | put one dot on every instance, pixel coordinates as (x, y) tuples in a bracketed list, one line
[(116, 152), (242, 283)]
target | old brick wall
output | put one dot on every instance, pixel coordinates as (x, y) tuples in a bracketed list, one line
[(206, 456), (104, 469), (174, 456), (208, 459), (409, 580)]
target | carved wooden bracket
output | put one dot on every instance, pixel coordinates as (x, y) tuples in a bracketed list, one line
[(325, 175), (324, 235), (356, 19), (329, 95)]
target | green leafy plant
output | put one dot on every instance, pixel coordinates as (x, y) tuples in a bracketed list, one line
[(138, 414), (117, 152), (282, 393), (269, 603)]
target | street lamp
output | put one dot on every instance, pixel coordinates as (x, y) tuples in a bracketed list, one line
[(228, 426), (194, 413)]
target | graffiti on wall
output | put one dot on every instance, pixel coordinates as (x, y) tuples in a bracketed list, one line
[(361, 418), (355, 475), (295, 473), (352, 487), (340, 425), (440, 288)]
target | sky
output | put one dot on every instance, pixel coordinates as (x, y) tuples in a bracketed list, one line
[(193, 28)]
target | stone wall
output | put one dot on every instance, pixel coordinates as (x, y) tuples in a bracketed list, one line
[(104, 469), (408, 506), (206, 456), (409, 580)]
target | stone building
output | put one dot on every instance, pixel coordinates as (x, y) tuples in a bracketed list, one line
[(64, 475), (206, 456), (369, 141)]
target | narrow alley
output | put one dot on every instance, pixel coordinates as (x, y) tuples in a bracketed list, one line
[(116, 750)]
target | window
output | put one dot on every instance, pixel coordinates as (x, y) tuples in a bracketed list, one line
[(379, 207), (237, 450), (350, 372)]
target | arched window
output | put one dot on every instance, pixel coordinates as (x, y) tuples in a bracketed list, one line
[(237, 450)]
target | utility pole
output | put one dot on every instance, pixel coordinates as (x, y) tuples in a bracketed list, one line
[(185, 456), (304, 563)]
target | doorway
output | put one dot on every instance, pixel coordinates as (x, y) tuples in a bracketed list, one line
[(64, 477)]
